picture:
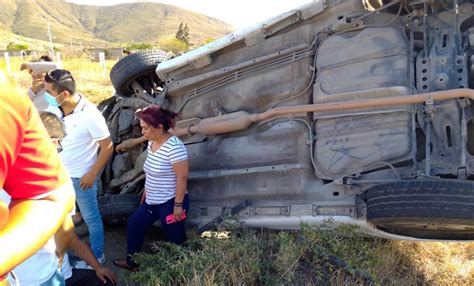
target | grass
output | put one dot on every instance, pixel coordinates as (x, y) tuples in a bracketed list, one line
[(257, 257), (91, 79), (307, 257)]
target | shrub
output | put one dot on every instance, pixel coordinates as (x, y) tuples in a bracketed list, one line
[(17, 47), (172, 45), (250, 257), (139, 46)]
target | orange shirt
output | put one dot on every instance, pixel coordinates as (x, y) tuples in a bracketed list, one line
[(29, 164)]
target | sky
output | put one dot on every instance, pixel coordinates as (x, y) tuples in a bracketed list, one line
[(239, 13)]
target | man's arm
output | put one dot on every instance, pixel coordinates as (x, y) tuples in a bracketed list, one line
[(63, 237), (30, 225), (81, 249), (106, 151)]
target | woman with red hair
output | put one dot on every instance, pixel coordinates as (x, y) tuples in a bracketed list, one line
[(166, 170)]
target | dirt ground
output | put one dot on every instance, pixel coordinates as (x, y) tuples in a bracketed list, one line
[(116, 244)]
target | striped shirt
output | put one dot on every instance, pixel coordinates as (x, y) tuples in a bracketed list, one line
[(160, 182)]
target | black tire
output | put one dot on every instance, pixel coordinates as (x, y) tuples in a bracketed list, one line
[(136, 66), (118, 206), (431, 209)]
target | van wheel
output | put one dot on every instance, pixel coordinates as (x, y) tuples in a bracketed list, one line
[(430, 209), (118, 206), (139, 66)]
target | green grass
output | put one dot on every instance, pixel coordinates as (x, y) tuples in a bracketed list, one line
[(307, 257), (262, 257)]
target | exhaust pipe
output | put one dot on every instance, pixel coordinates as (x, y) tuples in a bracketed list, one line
[(241, 120)]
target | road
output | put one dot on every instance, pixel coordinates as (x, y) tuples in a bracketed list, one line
[(116, 243)]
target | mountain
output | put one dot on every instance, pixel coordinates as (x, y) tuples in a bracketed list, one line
[(124, 23)]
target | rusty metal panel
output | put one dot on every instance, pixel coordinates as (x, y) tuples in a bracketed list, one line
[(351, 144), (272, 160), (369, 59)]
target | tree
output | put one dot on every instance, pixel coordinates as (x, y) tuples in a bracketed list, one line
[(183, 33), (172, 45), (139, 46), (17, 47)]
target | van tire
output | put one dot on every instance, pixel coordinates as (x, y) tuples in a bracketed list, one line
[(118, 206), (429, 209), (135, 66)]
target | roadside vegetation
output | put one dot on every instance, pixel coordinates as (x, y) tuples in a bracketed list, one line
[(234, 256), (308, 257), (92, 80)]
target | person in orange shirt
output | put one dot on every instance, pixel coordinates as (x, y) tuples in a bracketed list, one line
[(32, 174)]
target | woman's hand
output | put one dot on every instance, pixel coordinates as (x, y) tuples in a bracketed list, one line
[(177, 213), (143, 197)]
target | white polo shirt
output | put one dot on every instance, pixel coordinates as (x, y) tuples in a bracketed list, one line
[(84, 127), (40, 267)]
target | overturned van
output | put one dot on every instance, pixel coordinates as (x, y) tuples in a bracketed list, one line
[(358, 111)]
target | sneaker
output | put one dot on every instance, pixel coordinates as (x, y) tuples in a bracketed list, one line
[(77, 219), (102, 260), (80, 264)]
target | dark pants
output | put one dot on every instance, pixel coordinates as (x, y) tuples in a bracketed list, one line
[(82, 277), (144, 217)]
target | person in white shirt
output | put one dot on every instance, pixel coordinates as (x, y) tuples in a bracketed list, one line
[(39, 268), (86, 131)]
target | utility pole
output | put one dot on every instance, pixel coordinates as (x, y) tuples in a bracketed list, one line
[(51, 42)]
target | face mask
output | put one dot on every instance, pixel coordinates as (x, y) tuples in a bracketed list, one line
[(51, 100)]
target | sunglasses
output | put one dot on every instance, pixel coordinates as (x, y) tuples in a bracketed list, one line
[(138, 113), (58, 75), (57, 142)]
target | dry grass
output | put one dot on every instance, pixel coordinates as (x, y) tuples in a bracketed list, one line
[(251, 257), (91, 79), (440, 263)]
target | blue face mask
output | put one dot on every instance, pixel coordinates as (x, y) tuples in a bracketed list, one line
[(51, 100)]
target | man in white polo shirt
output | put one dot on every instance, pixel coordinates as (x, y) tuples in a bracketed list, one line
[(86, 131)]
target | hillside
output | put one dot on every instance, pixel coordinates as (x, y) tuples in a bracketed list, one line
[(7, 37), (134, 22)]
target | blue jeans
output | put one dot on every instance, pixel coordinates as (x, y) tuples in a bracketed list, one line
[(144, 217), (56, 280), (87, 202)]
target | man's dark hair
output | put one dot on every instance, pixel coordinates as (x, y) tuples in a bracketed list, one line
[(45, 58), (62, 80), (53, 124)]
